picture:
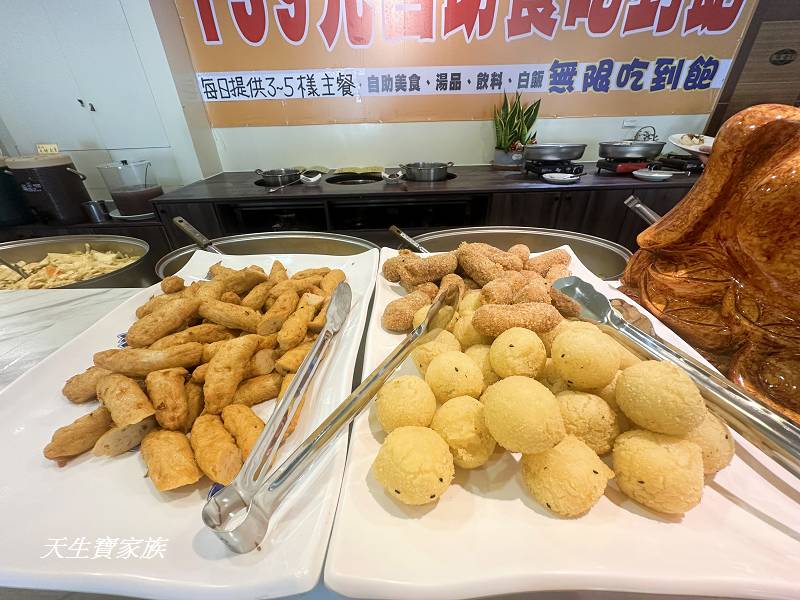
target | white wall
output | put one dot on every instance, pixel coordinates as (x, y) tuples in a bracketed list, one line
[(387, 144)]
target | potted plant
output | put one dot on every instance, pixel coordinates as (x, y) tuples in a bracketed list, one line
[(513, 128)]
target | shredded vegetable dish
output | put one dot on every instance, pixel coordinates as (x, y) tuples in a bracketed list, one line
[(59, 269)]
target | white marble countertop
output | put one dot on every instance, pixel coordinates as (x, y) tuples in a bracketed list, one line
[(35, 323)]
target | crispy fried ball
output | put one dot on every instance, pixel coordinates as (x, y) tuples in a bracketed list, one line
[(660, 397), (715, 441), (568, 479), (609, 394), (466, 333), (423, 354), (517, 351), (523, 415), (470, 302), (440, 321), (480, 354), (584, 359), (550, 335), (406, 400), (452, 374), (589, 419), (414, 465), (661, 472), (626, 357), (461, 423), (520, 250)]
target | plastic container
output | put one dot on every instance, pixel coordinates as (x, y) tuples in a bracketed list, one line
[(132, 184), (51, 186)]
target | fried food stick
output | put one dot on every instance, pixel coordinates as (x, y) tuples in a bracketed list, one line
[(83, 386), (138, 362), (79, 436), (161, 322), (494, 319), (169, 459), (542, 263), (430, 269)]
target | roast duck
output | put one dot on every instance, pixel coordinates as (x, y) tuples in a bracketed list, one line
[(722, 268)]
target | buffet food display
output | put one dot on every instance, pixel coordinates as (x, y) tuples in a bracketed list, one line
[(58, 269)]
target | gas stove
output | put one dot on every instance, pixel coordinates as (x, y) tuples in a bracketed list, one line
[(621, 165), (679, 162), (542, 167)]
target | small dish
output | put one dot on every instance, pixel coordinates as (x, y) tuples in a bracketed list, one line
[(114, 214), (703, 149), (560, 178), (650, 175)]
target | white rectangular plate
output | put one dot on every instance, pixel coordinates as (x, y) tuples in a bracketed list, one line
[(95, 497), (487, 536)]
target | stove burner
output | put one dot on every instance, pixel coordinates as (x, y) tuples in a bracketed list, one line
[(619, 165), (680, 162), (542, 167)]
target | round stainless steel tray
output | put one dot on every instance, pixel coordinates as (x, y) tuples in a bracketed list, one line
[(136, 274), (605, 259), (283, 242)]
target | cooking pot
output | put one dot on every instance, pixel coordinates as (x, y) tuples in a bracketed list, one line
[(284, 242), (425, 171), (554, 152), (274, 177), (137, 274), (631, 149), (605, 259)]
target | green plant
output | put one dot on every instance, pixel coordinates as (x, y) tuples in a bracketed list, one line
[(513, 123)]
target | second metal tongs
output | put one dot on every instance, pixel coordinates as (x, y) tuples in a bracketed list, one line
[(240, 513), (775, 435)]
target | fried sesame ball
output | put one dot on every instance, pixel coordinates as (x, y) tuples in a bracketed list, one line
[(461, 423), (517, 351), (452, 374), (588, 418), (585, 359), (405, 400)]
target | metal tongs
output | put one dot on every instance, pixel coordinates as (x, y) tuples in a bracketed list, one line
[(775, 435), (239, 514), (198, 238)]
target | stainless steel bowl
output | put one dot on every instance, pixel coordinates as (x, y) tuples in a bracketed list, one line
[(284, 242), (425, 171), (137, 274), (605, 259), (273, 177), (554, 151), (631, 149)]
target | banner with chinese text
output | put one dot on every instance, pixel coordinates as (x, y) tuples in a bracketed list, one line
[(277, 62)]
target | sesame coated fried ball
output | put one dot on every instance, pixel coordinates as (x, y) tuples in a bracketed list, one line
[(460, 421), (480, 354), (520, 250), (452, 374), (661, 472), (550, 335), (405, 400), (414, 465), (589, 419), (522, 415), (494, 319), (609, 394), (660, 397), (517, 351), (423, 354), (715, 441), (568, 479), (585, 359)]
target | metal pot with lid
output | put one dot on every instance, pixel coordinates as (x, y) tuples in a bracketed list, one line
[(52, 186), (425, 171), (630, 149), (553, 152)]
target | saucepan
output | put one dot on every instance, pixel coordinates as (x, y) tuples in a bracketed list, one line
[(273, 177), (553, 152), (425, 171), (631, 149)]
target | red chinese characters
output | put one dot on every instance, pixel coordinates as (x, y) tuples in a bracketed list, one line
[(250, 18), (526, 17), (658, 16), (408, 19), (292, 19), (712, 16), (599, 16), (208, 22), (358, 15), (470, 16)]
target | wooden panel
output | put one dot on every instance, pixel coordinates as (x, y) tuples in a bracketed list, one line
[(533, 209), (772, 37)]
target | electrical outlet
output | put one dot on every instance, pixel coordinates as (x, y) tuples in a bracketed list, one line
[(630, 123), (46, 148)]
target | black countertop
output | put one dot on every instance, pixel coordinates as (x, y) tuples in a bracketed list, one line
[(468, 180)]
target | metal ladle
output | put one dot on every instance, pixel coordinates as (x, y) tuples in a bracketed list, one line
[(775, 435)]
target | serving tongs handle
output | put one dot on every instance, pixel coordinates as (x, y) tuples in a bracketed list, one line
[(775, 435), (198, 238)]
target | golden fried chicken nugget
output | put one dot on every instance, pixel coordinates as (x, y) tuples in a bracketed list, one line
[(291, 360), (230, 315), (117, 440), (261, 363), (230, 298), (124, 399), (205, 333), (194, 403), (312, 272), (285, 304), (79, 436), (169, 459), (294, 328), (220, 271), (155, 303), (172, 284), (167, 392), (215, 450), (494, 319), (199, 374), (300, 286), (242, 281), (331, 280), (244, 425), (225, 372), (317, 324), (542, 263), (210, 290), (82, 387), (258, 389), (163, 321), (138, 362)]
